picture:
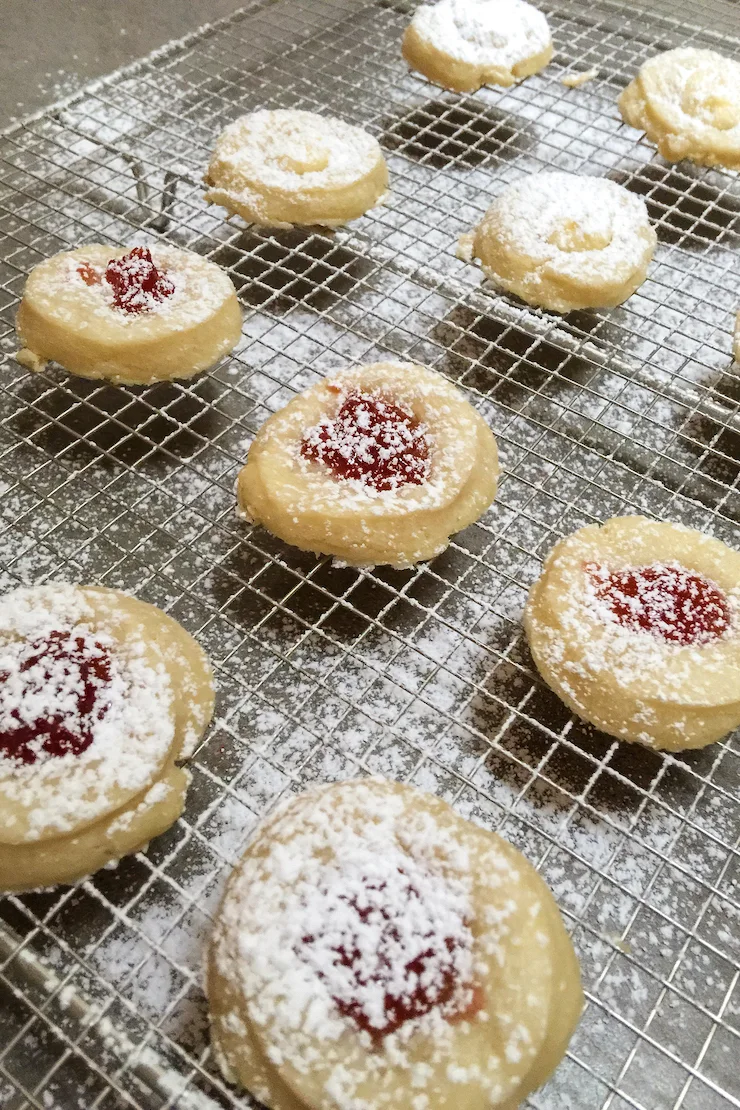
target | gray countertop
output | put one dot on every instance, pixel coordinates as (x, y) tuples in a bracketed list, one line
[(49, 48)]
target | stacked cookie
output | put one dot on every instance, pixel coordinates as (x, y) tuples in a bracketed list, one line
[(374, 949)]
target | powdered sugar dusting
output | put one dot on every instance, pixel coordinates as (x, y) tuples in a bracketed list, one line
[(89, 280), (53, 692), (306, 902), (488, 32), (688, 101), (137, 284), (127, 731), (409, 392), (630, 656), (389, 943)]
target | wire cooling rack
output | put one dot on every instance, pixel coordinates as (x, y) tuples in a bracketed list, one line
[(422, 675)]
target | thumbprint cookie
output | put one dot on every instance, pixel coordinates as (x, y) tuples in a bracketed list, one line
[(635, 624), (464, 44), (564, 242), (101, 697), (381, 464), (373, 949), (148, 314), (287, 167), (687, 102)]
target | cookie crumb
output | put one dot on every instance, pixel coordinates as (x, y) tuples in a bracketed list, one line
[(464, 250), (30, 360), (575, 80)]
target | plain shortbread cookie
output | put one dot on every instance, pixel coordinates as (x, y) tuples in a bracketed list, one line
[(687, 102), (286, 167), (564, 241), (464, 44)]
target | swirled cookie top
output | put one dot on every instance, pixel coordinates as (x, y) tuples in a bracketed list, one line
[(292, 151), (487, 32), (85, 718), (577, 223), (695, 89)]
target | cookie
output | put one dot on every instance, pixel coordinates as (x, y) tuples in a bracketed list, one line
[(287, 167), (465, 44), (687, 102), (564, 242), (636, 626), (148, 314), (101, 697), (381, 464), (375, 949)]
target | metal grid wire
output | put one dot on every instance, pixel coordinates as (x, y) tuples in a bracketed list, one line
[(423, 675)]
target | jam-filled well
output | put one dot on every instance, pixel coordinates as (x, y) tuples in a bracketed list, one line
[(381, 971), (677, 605), (371, 440), (136, 283), (52, 691)]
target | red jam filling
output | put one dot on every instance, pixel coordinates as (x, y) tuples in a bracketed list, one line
[(136, 281), (674, 604), (62, 679), (89, 274), (137, 285), (373, 957), (371, 440)]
